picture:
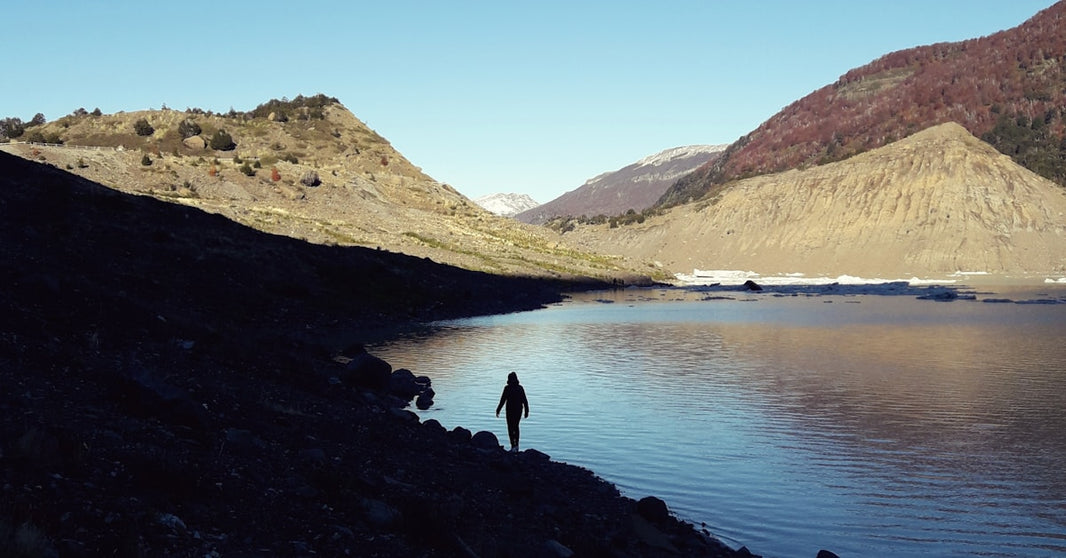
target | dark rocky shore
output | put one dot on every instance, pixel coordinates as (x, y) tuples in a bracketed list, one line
[(175, 384)]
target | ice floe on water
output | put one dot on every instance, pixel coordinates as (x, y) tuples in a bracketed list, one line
[(955, 286)]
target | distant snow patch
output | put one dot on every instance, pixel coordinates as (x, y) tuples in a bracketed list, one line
[(671, 154), (506, 205)]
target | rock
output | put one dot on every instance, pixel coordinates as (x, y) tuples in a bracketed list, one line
[(485, 440), (650, 535), (653, 509), (143, 395), (242, 441), (404, 415), (752, 285), (379, 514), (535, 455), (402, 384), (460, 434), (368, 371), (826, 554), (290, 192), (313, 456), (195, 142), (943, 294), (432, 425), (172, 522), (554, 548), (425, 399)]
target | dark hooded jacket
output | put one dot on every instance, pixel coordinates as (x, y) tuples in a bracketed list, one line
[(514, 395)]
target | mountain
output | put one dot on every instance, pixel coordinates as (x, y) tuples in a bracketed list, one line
[(937, 202), (309, 169), (506, 205), (1007, 88), (636, 186)]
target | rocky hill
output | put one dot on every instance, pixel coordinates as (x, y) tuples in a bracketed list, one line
[(1007, 88), (937, 202), (506, 205), (310, 172), (636, 186)]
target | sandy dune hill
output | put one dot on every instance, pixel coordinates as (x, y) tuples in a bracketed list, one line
[(938, 202)]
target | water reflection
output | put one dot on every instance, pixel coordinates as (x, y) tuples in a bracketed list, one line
[(869, 425)]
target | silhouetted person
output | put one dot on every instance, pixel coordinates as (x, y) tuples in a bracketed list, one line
[(514, 395)]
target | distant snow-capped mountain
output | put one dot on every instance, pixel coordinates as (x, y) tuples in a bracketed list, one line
[(507, 205), (636, 186)]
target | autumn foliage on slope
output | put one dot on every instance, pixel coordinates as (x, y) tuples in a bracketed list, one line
[(1008, 88)]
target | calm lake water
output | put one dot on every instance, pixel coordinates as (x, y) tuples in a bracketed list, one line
[(869, 425)]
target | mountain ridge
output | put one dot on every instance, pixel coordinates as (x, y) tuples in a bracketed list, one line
[(635, 186)]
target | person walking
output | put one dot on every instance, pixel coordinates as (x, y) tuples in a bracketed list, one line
[(514, 396)]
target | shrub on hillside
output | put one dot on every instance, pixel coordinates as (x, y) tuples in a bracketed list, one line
[(188, 128), (310, 178), (38, 119), (146, 160), (12, 127), (97, 112), (143, 128), (222, 141), (247, 169)]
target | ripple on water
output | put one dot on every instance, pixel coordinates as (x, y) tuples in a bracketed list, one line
[(889, 427)]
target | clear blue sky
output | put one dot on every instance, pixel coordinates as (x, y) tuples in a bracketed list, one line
[(497, 96)]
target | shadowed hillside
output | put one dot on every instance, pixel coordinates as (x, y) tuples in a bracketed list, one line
[(1007, 88), (176, 384)]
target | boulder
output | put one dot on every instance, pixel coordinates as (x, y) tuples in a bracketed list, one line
[(425, 399), (402, 384), (195, 142), (826, 554), (142, 394), (653, 509), (534, 455), (752, 285), (485, 440), (555, 549), (460, 434), (379, 514), (404, 414), (367, 371), (315, 457), (433, 425)]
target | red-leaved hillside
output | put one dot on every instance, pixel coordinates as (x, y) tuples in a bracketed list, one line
[(1008, 88)]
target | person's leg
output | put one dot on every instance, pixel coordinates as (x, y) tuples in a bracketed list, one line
[(512, 432)]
